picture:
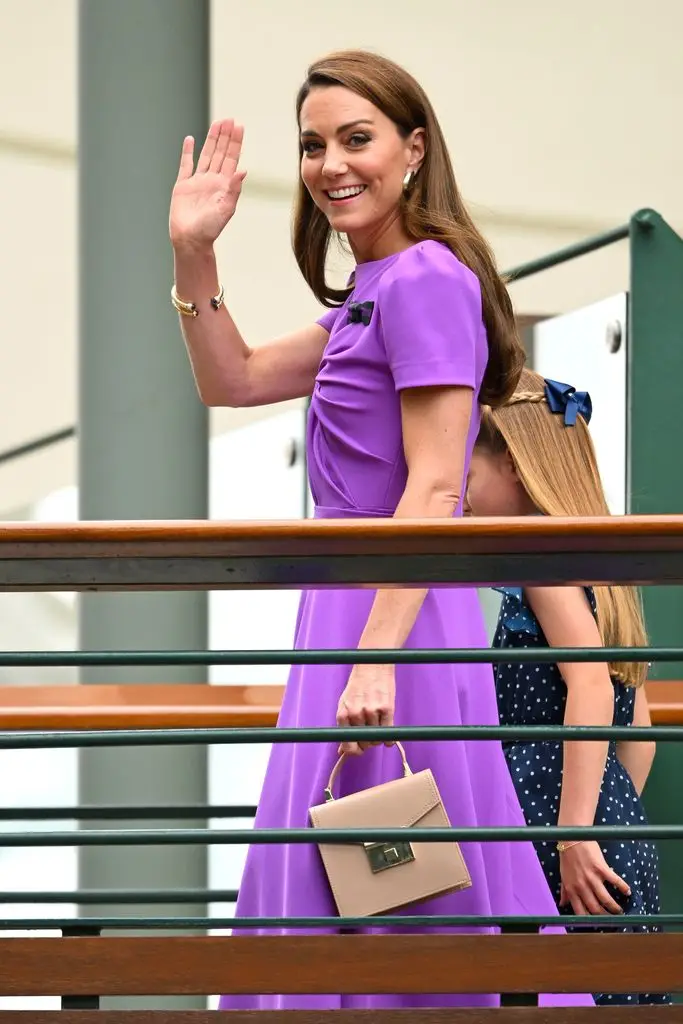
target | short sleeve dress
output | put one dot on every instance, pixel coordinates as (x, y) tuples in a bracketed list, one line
[(414, 319), (536, 695)]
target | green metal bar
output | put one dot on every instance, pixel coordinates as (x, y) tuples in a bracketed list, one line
[(18, 740), (345, 656), (91, 897), (241, 837), (335, 923), (37, 445), (570, 252), (163, 812)]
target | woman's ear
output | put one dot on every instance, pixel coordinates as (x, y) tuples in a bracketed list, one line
[(417, 149)]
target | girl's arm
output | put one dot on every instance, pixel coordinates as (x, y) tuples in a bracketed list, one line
[(637, 757), (567, 620)]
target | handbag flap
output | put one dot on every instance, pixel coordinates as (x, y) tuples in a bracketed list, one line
[(397, 804)]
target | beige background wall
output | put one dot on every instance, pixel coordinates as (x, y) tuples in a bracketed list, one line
[(562, 118)]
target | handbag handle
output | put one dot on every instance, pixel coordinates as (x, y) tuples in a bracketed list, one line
[(337, 768)]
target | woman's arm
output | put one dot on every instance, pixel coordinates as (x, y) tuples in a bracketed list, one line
[(227, 371), (637, 757), (567, 620), (435, 423)]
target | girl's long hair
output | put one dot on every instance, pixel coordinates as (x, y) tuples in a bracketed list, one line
[(558, 469), (433, 209)]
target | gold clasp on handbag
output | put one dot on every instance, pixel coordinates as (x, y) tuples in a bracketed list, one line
[(382, 856)]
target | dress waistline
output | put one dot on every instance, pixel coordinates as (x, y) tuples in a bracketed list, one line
[(329, 512)]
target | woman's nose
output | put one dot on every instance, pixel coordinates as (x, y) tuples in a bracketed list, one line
[(334, 163)]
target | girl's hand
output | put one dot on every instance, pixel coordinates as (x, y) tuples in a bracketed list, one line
[(584, 871), (368, 699), (204, 199)]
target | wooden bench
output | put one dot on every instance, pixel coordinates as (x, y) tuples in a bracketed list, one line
[(159, 706), (318, 964)]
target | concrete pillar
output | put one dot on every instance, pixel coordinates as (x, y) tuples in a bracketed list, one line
[(143, 444)]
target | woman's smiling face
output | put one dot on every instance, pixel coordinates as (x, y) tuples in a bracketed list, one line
[(354, 161)]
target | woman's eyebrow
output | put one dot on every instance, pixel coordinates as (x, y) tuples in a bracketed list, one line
[(341, 128)]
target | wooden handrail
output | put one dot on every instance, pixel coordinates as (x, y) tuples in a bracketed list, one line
[(197, 965), (328, 552), (179, 706), (634, 1014)]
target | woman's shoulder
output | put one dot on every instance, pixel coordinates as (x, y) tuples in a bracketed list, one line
[(430, 260)]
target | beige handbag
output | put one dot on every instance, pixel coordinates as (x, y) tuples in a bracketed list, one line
[(377, 878)]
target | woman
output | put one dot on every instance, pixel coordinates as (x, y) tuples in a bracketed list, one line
[(396, 369)]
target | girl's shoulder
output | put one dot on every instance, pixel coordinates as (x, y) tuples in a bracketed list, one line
[(517, 616)]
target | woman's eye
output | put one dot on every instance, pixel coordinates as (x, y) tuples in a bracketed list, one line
[(310, 146), (359, 139)]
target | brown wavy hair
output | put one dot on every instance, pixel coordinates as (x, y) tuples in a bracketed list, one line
[(433, 209), (558, 469)]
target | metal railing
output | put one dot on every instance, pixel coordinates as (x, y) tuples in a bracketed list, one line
[(504, 544)]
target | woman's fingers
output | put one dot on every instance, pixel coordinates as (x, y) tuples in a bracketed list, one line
[(371, 717), (225, 131), (386, 718), (349, 714), (186, 159), (209, 147), (232, 150)]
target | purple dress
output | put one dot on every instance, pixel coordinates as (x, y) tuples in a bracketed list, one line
[(414, 319)]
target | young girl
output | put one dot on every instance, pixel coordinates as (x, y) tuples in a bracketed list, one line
[(534, 456)]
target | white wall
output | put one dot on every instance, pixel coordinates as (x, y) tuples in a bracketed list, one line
[(560, 123)]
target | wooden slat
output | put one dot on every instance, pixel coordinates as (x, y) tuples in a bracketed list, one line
[(138, 706), (327, 552), (511, 1015), (200, 706), (174, 965), (665, 700)]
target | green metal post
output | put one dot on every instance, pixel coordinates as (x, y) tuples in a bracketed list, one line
[(655, 376), (143, 445)]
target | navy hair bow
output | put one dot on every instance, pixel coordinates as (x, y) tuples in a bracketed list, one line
[(563, 398), (360, 312)]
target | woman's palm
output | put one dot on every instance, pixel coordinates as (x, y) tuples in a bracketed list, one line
[(204, 199)]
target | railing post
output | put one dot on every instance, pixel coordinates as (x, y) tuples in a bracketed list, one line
[(91, 1002), (655, 481), (519, 998)]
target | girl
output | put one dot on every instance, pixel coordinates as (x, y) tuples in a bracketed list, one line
[(395, 369), (534, 456)]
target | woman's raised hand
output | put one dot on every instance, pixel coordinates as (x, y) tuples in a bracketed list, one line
[(205, 198)]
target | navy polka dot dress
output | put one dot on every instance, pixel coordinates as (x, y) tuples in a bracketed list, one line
[(536, 695)]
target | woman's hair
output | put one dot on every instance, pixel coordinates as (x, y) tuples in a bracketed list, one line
[(433, 209), (557, 467)]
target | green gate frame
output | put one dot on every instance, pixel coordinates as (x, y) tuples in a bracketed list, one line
[(654, 470)]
